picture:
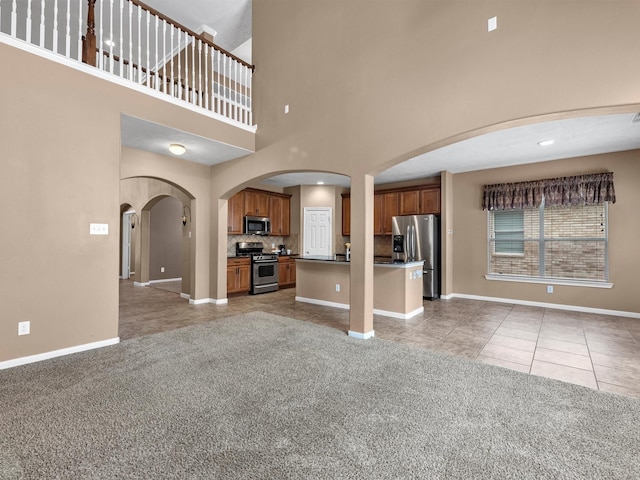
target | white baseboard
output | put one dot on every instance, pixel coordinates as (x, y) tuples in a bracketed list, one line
[(362, 336), (447, 297), (402, 316), (57, 353), (325, 303), (575, 308), (141, 284), (215, 301), (185, 296), (162, 280)]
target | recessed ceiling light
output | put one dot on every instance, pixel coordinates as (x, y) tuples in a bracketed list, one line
[(177, 149), (320, 183), (545, 143)]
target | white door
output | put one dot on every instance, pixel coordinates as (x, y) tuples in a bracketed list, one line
[(317, 231), (126, 244)]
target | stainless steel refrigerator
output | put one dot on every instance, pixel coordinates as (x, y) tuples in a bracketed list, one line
[(417, 238)]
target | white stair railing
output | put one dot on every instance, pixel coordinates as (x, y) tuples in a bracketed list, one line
[(136, 43)]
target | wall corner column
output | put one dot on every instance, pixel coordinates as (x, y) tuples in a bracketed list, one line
[(218, 261), (362, 252), (446, 234)]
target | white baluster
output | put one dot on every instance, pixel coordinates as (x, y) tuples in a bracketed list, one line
[(206, 75), (139, 45), (14, 18), (179, 65), (157, 82), (28, 21), (80, 16), (245, 115), (218, 105), (130, 57), (250, 97), (164, 55), (110, 36), (148, 65), (236, 110), (186, 67), (68, 35), (55, 26), (100, 62), (225, 91), (121, 40), (173, 91), (193, 71), (41, 22)]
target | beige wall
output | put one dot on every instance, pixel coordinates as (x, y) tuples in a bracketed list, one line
[(165, 249), (470, 233), (61, 169)]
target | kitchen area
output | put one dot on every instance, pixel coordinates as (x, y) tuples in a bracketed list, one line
[(265, 246)]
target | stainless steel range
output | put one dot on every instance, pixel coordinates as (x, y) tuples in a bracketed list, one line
[(264, 267)]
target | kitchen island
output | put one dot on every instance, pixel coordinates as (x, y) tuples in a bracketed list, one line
[(325, 280)]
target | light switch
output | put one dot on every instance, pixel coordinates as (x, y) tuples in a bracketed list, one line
[(492, 24), (98, 229)]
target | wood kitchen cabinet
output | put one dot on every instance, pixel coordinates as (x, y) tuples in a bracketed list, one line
[(430, 201), (389, 203), (346, 215), (256, 203), (378, 209), (280, 214), (286, 272), (238, 275), (409, 202), (259, 203), (390, 208), (236, 214)]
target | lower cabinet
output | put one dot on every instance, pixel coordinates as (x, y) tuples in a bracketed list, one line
[(286, 272), (238, 275)]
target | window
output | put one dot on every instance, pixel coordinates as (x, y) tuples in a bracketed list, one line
[(567, 242), (508, 228)]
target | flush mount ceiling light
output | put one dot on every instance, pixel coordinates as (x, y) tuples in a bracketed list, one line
[(177, 149), (545, 143), (320, 183), (109, 43)]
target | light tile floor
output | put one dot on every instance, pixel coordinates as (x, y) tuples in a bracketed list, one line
[(596, 351)]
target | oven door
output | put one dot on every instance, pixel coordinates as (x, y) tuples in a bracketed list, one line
[(264, 276)]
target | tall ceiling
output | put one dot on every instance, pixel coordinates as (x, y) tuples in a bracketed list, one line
[(231, 19)]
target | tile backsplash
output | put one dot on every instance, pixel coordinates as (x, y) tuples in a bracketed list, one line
[(291, 242)]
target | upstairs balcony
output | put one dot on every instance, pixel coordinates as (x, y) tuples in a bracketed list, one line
[(131, 42)]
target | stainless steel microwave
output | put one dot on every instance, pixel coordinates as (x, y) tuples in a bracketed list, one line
[(257, 225)]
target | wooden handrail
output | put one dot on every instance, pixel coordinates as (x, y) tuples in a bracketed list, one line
[(201, 37), (165, 78), (89, 42)]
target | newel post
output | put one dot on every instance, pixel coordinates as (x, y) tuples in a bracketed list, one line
[(89, 41)]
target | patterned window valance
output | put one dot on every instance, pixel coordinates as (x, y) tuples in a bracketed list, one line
[(564, 191)]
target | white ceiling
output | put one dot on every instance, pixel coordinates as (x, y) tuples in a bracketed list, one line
[(232, 21)]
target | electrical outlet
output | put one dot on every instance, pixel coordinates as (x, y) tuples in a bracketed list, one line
[(337, 287), (161, 269), (24, 328), (549, 288)]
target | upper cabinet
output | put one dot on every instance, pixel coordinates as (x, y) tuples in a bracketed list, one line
[(256, 203), (236, 214), (346, 215), (430, 200), (260, 203), (280, 214), (390, 203), (390, 208)]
